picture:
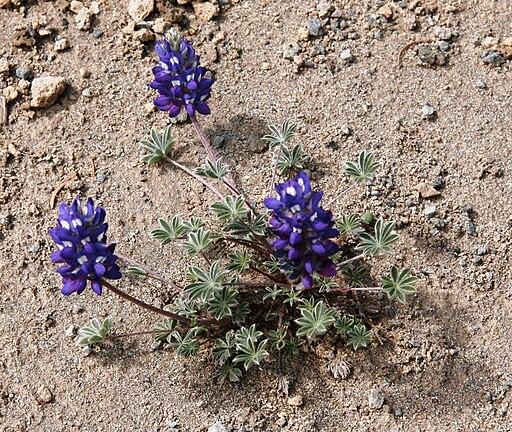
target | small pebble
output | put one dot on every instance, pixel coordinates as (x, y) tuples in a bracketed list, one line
[(315, 28), (86, 93), (482, 250), (295, 400), (86, 351), (427, 111), (345, 130), (97, 33), (478, 261), (430, 211), (493, 58), (481, 84), (44, 395), (346, 56), (375, 399), (70, 331), (24, 72), (219, 141), (470, 228), (218, 427)]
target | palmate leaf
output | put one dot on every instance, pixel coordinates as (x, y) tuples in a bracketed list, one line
[(185, 307), (349, 226), (315, 321), (272, 292), (215, 170), (224, 348), (231, 209), (356, 275), (136, 271), (204, 284), (198, 241), (223, 302), (280, 134), (248, 227), (159, 145), (228, 372), (164, 328), (251, 353), (359, 336), (278, 338), (325, 284), (344, 324), (248, 334), (381, 241), (364, 169), (240, 260), (192, 224), (168, 231), (399, 283), (291, 160), (187, 345), (97, 331)]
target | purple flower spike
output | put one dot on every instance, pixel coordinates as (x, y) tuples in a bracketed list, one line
[(302, 230), (179, 79), (83, 249)]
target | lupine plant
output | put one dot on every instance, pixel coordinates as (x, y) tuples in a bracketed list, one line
[(265, 278)]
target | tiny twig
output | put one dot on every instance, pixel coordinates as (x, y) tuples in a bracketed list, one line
[(93, 167), (409, 45), (194, 175), (357, 257), (343, 192), (59, 188)]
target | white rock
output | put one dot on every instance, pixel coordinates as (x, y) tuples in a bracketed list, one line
[(75, 6), (140, 9), (10, 93), (205, 11), (61, 45), (83, 19), (46, 90)]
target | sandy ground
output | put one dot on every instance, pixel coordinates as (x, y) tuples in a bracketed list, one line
[(444, 360)]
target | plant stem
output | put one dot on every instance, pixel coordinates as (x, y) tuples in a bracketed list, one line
[(198, 178), (274, 172), (150, 273), (267, 275), (257, 284), (139, 333), (145, 305), (203, 138), (350, 260), (347, 289), (343, 192)]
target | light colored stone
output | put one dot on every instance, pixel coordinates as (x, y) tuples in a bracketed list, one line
[(46, 90), (161, 26), (4, 67), (426, 190), (375, 399), (295, 401), (44, 395), (386, 11), (83, 19), (490, 42), (75, 6), (61, 45), (144, 35), (205, 11), (94, 8), (140, 9), (10, 93)]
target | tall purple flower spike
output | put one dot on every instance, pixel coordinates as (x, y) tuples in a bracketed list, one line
[(83, 249), (179, 79), (303, 230)]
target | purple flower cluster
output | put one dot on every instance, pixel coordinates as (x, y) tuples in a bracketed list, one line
[(303, 230), (81, 239), (179, 79)]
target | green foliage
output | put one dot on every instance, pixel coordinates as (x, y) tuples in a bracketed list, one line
[(204, 284), (240, 261), (168, 231), (165, 328), (198, 241), (215, 170), (223, 302), (280, 134), (364, 169), (359, 336), (381, 241), (191, 225), (187, 345), (291, 160), (250, 351), (231, 209), (356, 275), (326, 284), (224, 348), (159, 145), (185, 307), (272, 292), (96, 332), (315, 321), (136, 271), (349, 226), (399, 283), (228, 372), (278, 338)]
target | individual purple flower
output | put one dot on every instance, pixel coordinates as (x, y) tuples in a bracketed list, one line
[(83, 249), (303, 230), (179, 79)]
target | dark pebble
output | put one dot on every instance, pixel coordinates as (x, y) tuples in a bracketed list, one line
[(470, 228), (97, 33), (315, 27), (478, 261), (493, 58), (24, 72)]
